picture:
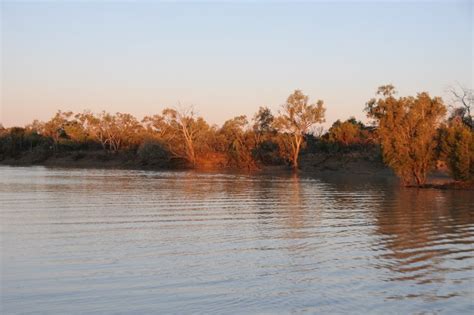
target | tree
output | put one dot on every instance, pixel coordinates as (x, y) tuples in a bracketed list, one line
[(462, 101), (186, 131), (263, 122), (457, 149), (33, 136), (349, 133), (75, 131), (295, 119), (95, 126), (238, 142), (113, 132), (346, 133), (128, 131), (265, 148), (156, 127), (54, 128), (407, 131), (12, 143), (120, 130)]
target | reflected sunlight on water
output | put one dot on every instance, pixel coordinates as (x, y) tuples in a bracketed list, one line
[(95, 241)]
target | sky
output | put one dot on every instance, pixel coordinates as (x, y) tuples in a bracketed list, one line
[(225, 58)]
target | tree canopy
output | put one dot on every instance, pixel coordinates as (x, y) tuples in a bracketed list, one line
[(407, 128)]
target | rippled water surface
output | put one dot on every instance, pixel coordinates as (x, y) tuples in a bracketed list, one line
[(114, 241)]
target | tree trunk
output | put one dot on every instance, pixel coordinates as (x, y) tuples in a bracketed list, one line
[(296, 152), (295, 161), (420, 180)]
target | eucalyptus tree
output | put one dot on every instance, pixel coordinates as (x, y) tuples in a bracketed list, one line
[(462, 102), (457, 149), (296, 118), (407, 129), (238, 142), (54, 128), (186, 132)]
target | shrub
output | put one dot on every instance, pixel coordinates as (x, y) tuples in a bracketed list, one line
[(153, 153)]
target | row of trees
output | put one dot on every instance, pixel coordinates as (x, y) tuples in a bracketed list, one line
[(411, 132), (179, 134)]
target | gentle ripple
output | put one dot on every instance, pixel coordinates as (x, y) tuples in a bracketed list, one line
[(116, 241)]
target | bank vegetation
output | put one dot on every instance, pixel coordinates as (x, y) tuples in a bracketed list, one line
[(412, 135)]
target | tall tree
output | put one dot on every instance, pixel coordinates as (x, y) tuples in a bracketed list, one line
[(188, 129), (407, 131), (457, 149), (113, 132), (54, 128), (95, 126), (238, 144), (295, 120), (462, 101), (263, 123)]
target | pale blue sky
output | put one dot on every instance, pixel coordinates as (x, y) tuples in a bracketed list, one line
[(225, 58)]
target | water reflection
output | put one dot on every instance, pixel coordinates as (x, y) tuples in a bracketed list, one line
[(424, 232), (80, 241), (295, 210)]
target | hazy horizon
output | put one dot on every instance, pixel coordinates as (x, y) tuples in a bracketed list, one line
[(226, 59)]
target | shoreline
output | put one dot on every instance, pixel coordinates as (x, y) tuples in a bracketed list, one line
[(314, 165)]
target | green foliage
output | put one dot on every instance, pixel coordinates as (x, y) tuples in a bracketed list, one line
[(407, 132), (263, 121), (296, 118), (457, 149), (347, 133), (185, 133), (12, 142), (238, 142), (267, 152), (153, 153), (265, 146)]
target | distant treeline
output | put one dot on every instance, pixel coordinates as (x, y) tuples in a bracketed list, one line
[(411, 133)]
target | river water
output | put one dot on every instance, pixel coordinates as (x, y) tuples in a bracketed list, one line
[(120, 241)]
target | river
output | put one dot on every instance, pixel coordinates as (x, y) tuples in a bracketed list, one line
[(119, 241)]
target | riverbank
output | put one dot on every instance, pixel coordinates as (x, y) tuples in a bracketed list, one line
[(436, 183), (360, 164), (354, 163)]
